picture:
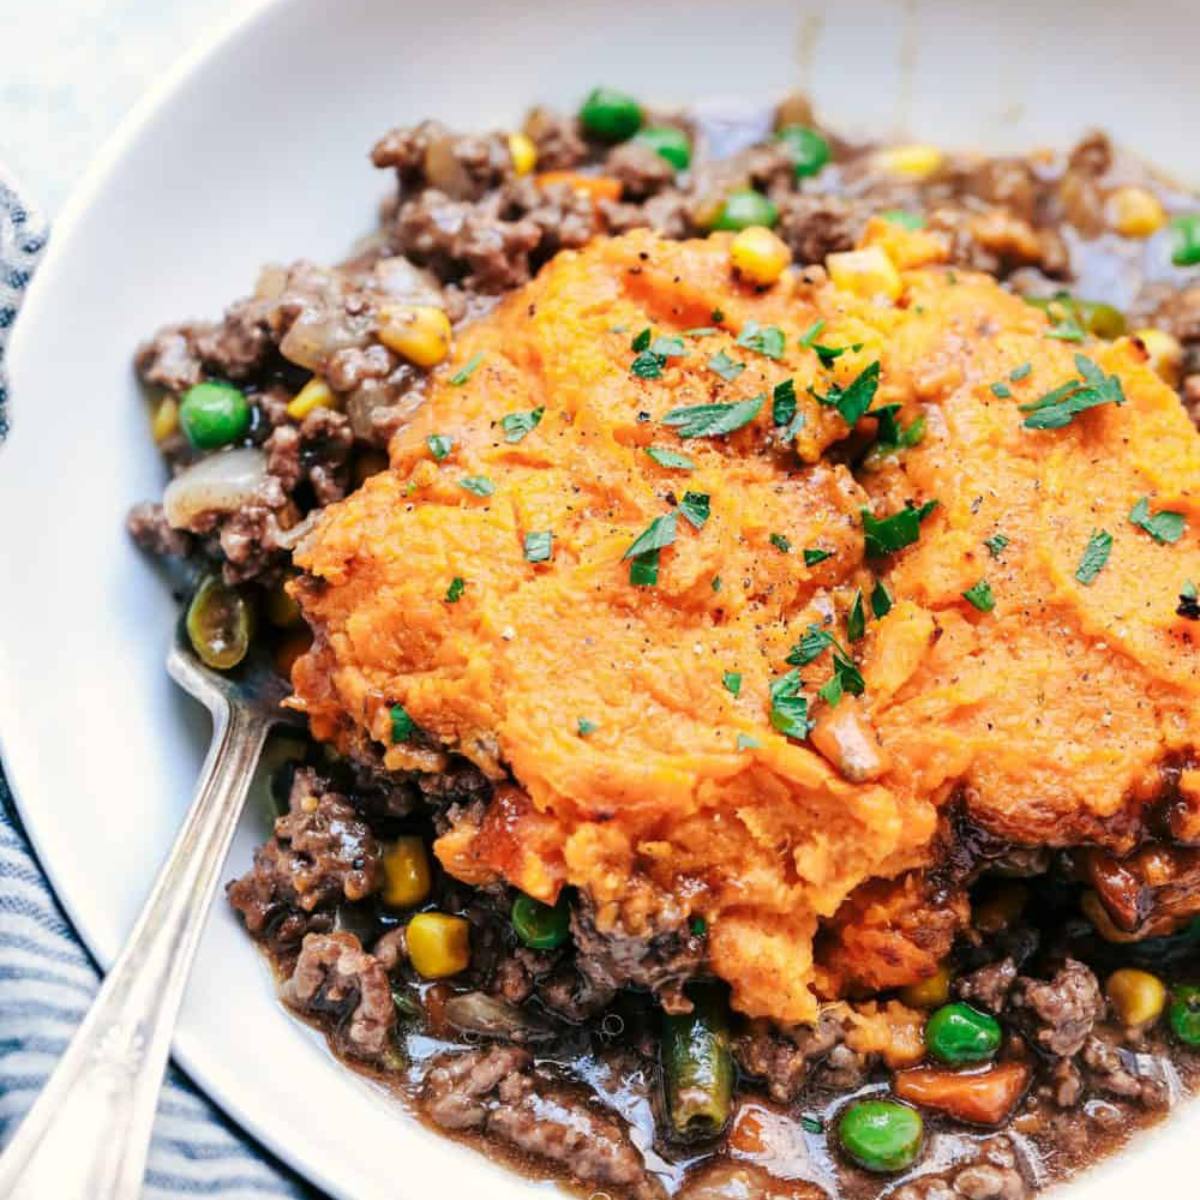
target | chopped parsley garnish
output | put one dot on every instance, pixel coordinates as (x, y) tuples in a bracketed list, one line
[(716, 583), (716, 316), (668, 345), (811, 334), (812, 644), (701, 331), (454, 592), (881, 599), (1066, 327), (1164, 527), (713, 420), (641, 341), (852, 402), (439, 445), (846, 677), (813, 1124), (1062, 405), (980, 595), (1095, 555), (780, 542), (466, 370), (643, 570), (746, 742), (903, 218), (479, 485), (652, 355), (671, 459), (1001, 391), (892, 533), (1188, 591), (856, 619), (783, 402), (813, 556), (698, 926), (789, 709), (695, 507), (891, 435), (520, 424), (728, 369), (403, 725), (731, 681), (539, 545), (647, 365), (585, 726), (830, 354), (1188, 607), (762, 339), (658, 534), (1019, 373), (996, 544)]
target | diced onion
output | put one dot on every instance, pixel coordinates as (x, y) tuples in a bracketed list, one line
[(219, 483), (477, 1012)]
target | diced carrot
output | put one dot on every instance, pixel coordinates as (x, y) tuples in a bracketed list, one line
[(976, 1097), (599, 187)]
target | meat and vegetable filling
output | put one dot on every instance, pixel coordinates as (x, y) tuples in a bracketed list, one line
[(742, 589)]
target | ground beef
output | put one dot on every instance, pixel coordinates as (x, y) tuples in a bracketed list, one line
[(496, 1091), (573, 995), (815, 225), (464, 166), (1119, 1071), (660, 961), (558, 139), (460, 786), (641, 170), (988, 987), (337, 980), (149, 527), (316, 451), (785, 1058), (169, 360), (322, 854), (1059, 1013), (993, 1174), (1065, 1083)]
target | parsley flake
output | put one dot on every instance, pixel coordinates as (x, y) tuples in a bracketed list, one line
[(1001, 391), (643, 570), (695, 508), (1164, 527), (856, 620), (439, 445), (811, 334), (767, 340), (852, 402), (670, 459), (846, 677), (716, 583), (1063, 404), (539, 545), (746, 742), (701, 331), (812, 644), (478, 485), (890, 434), (1019, 373), (888, 534), (454, 592), (996, 544), (728, 369), (713, 420), (789, 709), (1095, 555), (731, 681), (812, 556), (519, 425), (903, 218), (881, 599), (466, 370), (585, 726), (641, 341), (783, 402), (980, 595), (780, 543), (403, 726), (658, 534)]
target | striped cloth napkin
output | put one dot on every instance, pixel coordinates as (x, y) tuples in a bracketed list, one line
[(47, 979)]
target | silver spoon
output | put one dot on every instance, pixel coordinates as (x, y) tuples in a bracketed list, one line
[(88, 1133)]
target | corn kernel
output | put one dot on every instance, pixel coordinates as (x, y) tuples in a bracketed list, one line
[(438, 945), (1136, 213), (418, 332), (316, 393), (866, 272), (917, 161), (759, 256), (1137, 996), (928, 993), (165, 421), (523, 151), (1164, 352), (282, 611), (406, 877)]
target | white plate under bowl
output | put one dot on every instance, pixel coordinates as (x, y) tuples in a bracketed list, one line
[(256, 151)]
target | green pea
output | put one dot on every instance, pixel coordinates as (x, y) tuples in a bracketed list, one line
[(669, 143), (958, 1033), (1101, 320), (218, 624), (1187, 240), (610, 115), (1184, 1014), (903, 218), (539, 926), (808, 149), (881, 1135), (214, 414), (745, 208)]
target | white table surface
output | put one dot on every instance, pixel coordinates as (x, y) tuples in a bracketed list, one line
[(71, 69)]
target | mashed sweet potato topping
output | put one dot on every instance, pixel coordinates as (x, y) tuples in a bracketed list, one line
[(640, 750)]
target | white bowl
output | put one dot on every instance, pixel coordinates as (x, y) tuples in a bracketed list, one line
[(257, 150)]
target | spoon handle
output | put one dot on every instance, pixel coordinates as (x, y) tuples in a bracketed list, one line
[(87, 1135)]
